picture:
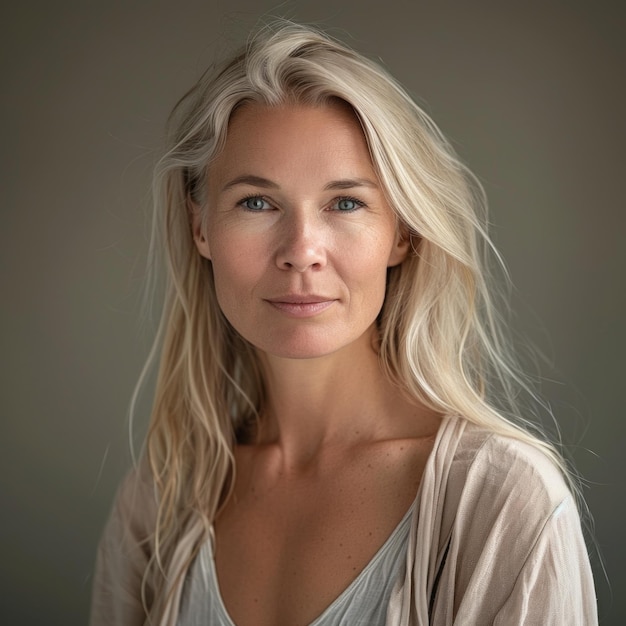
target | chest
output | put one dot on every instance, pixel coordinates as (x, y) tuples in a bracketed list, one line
[(285, 550)]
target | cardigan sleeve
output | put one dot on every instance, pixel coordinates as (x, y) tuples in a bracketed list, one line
[(516, 553), (123, 554), (555, 585)]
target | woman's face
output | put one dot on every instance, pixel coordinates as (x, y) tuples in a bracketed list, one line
[(299, 233)]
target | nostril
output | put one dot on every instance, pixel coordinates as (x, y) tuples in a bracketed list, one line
[(302, 258), (300, 267)]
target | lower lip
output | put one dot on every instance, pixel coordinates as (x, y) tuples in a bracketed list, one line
[(302, 309)]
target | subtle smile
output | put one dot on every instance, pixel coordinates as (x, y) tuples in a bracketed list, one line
[(301, 306)]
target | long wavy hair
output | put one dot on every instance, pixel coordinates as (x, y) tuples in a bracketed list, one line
[(441, 336)]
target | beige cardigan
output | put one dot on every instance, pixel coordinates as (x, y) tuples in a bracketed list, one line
[(495, 539)]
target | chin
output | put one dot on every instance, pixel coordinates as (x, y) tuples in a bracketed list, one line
[(288, 350), (316, 345)]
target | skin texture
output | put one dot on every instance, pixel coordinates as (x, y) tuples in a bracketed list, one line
[(301, 246), (300, 237)]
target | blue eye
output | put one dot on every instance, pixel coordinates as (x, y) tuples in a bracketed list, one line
[(255, 203), (346, 205)]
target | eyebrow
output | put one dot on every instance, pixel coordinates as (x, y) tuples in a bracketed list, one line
[(259, 181), (349, 183), (249, 179)]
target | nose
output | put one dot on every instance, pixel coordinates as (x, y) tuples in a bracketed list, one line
[(302, 243)]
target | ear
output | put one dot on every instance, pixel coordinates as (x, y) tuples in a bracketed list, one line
[(195, 221), (401, 246)]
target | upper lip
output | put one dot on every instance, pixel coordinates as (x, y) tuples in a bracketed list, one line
[(295, 298)]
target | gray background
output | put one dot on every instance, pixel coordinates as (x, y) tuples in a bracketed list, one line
[(532, 95)]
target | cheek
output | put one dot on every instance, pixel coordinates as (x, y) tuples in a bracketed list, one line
[(369, 267), (231, 273), (236, 271), (232, 253)]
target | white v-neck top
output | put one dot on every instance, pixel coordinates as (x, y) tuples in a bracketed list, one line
[(363, 603)]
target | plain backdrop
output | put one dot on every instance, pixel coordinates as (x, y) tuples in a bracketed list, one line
[(530, 93)]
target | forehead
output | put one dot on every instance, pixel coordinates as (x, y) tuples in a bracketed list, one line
[(261, 116), (309, 138)]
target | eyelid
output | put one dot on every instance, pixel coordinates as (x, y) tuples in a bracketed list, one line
[(331, 205), (254, 196), (359, 203)]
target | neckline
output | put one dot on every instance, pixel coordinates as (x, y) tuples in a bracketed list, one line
[(343, 594), (447, 423), (371, 563)]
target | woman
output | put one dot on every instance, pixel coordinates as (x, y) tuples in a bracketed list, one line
[(335, 437)]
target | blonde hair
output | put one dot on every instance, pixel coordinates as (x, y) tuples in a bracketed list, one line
[(440, 335)]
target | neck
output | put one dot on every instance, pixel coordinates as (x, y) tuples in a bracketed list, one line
[(335, 400)]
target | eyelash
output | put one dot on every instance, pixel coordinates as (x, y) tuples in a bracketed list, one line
[(359, 203), (253, 196)]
